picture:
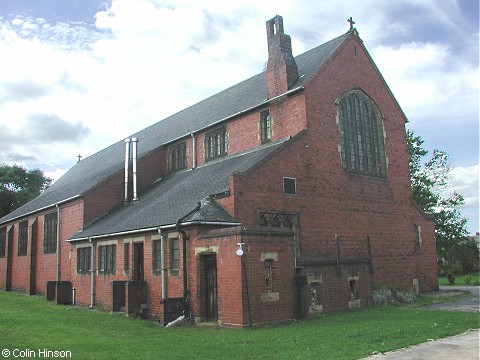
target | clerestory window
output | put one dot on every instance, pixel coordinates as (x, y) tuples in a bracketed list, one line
[(216, 143), (361, 135), (177, 157)]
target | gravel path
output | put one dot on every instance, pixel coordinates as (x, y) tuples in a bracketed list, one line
[(469, 304)]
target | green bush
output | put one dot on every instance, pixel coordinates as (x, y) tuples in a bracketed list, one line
[(451, 278), (468, 279), (387, 296)]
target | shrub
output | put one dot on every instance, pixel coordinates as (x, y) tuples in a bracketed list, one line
[(468, 279), (387, 296), (451, 278)]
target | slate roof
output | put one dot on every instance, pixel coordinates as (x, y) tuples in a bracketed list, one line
[(177, 194), (245, 95)]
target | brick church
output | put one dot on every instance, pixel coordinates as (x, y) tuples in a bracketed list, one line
[(284, 196)]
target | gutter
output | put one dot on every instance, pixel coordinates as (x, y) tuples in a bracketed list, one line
[(42, 208), (162, 227), (194, 151), (162, 260), (57, 272), (92, 274)]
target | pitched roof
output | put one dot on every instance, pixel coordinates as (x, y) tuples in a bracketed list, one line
[(239, 98), (176, 194)]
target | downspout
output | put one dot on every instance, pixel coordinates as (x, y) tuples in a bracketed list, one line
[(92, 274), (194, 151), (134, 167), (57, 277), (162, 260), (184, 249), (127, 166)]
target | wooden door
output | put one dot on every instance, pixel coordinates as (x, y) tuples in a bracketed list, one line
[(211, 301)]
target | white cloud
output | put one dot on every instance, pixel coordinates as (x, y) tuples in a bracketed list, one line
[(426, 77)]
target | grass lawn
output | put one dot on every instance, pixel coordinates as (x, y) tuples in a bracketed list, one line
[(30, 322), (460, 280)]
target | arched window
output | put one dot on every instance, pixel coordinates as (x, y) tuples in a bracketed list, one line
[(216, 143), (361, 135)]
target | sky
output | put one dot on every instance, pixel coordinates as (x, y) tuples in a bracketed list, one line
[(79, 75)]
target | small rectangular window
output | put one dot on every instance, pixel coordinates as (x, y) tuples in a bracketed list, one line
[(22, 238), (289, 186), (50, 233), (265, 126), (418, 235), (157, 256), (175, 256), (126, 257), (83, 260), (268, 264)]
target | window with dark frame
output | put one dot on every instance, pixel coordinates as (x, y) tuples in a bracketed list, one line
[(268, 264), (265, 126), (106, 259), (174, 256), (289, 186), (126, 257), (22, 238), (157, 256), (361, 135), (418, 235), (50, 233), (177, 156), (3, 241), (216, 143), (84, 256)]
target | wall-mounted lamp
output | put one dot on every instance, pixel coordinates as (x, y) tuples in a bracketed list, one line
[(240, 249)]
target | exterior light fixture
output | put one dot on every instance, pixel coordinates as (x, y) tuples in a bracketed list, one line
[(240, 249)]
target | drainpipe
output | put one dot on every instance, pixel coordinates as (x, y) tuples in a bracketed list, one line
[(127, 163), (162, 260), (134, 167), (184, 248), (92, 274), (57, 277), (194, 151)]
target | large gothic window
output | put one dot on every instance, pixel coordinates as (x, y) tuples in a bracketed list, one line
[(361, 135)]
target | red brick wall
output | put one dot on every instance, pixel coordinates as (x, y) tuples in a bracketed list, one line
[(45, 264), (233, 306), (332, 202), (20, 265)]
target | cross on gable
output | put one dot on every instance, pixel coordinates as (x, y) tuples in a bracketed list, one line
[(350, 20), (79, 157)]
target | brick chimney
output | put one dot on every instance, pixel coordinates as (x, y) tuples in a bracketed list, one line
[(281, 67)]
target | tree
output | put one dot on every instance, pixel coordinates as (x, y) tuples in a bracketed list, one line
[(428, 181), (19, 185)]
